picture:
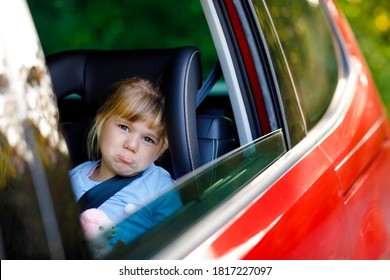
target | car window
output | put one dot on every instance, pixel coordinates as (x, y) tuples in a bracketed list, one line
[(207, 189), (309, 51)]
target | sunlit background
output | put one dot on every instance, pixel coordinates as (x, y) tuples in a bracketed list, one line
[(370, 20)]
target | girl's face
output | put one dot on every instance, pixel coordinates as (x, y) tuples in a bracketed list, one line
[(127, 148)]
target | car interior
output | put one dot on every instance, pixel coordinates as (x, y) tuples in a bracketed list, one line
[(199, 131)]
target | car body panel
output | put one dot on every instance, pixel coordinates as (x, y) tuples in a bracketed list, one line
[(367, 208), (358, 146)]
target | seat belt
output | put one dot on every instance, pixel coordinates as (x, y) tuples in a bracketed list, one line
[(97, 195), (212, 78)]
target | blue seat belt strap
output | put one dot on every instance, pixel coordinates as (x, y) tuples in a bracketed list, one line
[(213, 77), (97, 195)]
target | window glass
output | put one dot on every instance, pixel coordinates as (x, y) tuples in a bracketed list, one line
[(308, 48), (206, 189), (291, 111)]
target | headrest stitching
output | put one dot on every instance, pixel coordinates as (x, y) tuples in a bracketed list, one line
[(186, 111)]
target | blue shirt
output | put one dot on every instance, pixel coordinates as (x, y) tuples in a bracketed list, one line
[(131, 208)]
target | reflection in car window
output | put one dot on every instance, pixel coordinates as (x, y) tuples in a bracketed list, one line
[(308, 48), (207, 188)]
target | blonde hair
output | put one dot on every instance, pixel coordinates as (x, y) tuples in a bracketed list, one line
[(135, 100)]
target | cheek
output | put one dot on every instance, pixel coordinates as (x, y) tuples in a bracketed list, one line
[(150, 155), (109, 138)]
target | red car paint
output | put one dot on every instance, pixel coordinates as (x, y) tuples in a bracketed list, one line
[(335, 200)]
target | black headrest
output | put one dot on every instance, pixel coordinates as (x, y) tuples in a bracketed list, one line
[(92, 73)]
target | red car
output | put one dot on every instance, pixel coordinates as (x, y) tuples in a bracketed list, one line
[(281, 152)]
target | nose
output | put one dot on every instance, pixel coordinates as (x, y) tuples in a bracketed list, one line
[(131, 142)]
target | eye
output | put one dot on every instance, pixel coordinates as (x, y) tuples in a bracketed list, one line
[(124, 127), (148, 140)]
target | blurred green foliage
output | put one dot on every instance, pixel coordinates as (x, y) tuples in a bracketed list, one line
[(119, 24), (370, 21)]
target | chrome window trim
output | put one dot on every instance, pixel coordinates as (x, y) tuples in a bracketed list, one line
[(235, 95), (269, 106)]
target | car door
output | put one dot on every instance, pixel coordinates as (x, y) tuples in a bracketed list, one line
[(290, 69), (301, 214), (335, 160)]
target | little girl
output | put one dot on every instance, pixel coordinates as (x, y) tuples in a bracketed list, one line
[(128, 135)]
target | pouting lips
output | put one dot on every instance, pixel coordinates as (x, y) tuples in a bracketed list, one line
[(125, 159)]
